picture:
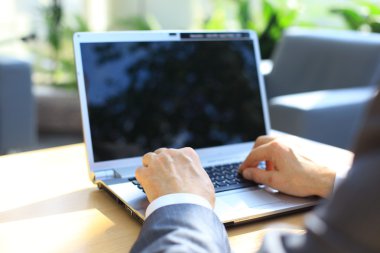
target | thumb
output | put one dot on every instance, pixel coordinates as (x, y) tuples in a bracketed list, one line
[(258, 154), (258, 175)]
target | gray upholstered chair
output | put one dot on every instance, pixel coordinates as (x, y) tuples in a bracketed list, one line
[(321, 83), (17, 108)]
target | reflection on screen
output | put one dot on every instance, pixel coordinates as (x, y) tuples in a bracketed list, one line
[(146, 95)]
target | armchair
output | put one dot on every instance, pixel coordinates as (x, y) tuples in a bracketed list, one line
[(321, 83), (17, 112)]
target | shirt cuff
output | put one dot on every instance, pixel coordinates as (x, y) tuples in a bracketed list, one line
[(176, 198), (338, 180)]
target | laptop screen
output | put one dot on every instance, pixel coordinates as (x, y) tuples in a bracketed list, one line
[(145, 95)]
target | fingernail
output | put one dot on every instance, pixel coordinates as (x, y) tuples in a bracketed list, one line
[(247, 174)]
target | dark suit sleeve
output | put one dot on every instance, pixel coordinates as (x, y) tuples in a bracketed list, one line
[(182, 228), (350, 220)]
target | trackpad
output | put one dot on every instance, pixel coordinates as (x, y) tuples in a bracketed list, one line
[(250, 199)]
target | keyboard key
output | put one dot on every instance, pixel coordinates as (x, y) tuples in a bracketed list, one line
[(226, 177), (135, 182)]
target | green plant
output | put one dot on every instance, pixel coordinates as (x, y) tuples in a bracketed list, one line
[(362, 15), (55, 63), (146, 22), (269, 22), (54, 55)]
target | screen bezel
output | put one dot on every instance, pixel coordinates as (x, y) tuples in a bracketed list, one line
[(146, 36)]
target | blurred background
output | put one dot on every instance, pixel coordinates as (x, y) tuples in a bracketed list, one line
[(39, 104)]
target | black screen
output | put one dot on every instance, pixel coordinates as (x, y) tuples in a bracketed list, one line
[(146, 95)]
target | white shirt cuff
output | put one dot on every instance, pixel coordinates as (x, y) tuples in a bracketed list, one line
[(338, 180), (340, 176), (176, 198)]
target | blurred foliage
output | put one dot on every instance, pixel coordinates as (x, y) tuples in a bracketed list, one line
[(55, 64), (146, 22), (363, 15), (269, 21), (54, 55)]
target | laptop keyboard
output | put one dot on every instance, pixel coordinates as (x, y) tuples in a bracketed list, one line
[(224, 178)]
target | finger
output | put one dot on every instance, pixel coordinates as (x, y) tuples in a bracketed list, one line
[(165, 159), (139, 174), (170, 151), (261, 140), (261, 153), (147, 158), (160, 150), (190, 153), (188, 157), (269, 165), (259, 176)]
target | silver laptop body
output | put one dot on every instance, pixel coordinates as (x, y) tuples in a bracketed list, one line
[(140, 91)]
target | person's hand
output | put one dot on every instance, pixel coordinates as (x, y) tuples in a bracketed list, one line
[(167, 171), (286, 170)]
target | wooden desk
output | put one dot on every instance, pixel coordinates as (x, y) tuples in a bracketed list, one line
[(48, 204)]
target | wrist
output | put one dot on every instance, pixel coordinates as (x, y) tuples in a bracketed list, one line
[(326, 183)]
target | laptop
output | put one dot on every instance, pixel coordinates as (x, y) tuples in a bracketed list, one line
[(140, 91)]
